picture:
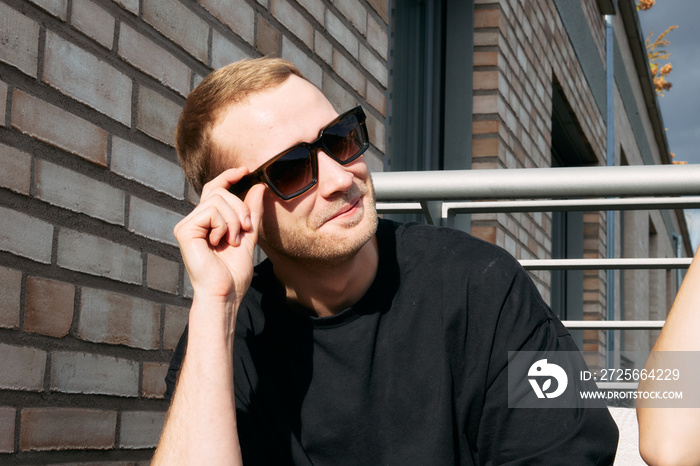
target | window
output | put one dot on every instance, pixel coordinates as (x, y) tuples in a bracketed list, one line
[(430, 117), (568, 150)]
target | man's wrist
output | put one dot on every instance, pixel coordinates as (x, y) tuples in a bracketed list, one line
[(212, 319)]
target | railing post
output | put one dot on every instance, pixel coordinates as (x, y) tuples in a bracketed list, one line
[(610, 215)]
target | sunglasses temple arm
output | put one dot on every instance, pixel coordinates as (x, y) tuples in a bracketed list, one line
[(243, 185)]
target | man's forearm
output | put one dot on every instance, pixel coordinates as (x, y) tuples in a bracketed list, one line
[(201, 425), (669, 435)]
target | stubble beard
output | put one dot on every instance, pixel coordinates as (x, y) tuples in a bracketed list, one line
[(313, 245)]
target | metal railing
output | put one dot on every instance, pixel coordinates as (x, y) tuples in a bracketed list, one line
[(440, 195)]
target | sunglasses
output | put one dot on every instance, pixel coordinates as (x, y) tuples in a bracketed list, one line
[(295, 171)]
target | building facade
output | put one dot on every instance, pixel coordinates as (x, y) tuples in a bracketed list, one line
[(93, 293)]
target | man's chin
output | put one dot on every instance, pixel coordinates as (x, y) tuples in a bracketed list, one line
[(333, 243)]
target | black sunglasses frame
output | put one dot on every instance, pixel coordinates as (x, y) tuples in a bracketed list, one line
[(260, 174)]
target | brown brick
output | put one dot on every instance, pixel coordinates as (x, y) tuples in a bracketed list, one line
[(323, 47), (485, 147), (485, 38), (22, 368), (354, 11), (157, 116), (108, 317), (153, 60), (93, 21), (74, 191), (376, 98), (180, 24), (175, 322), (267, 38), (15, 169), (152, 221), (486, 80), (67, 428), (73, 372), (59, 128), (590, 347), (485, 127), (309, 68), (315, 7), (382, 8), (83, 76), (378, 37), (19, 37), (25, 236), (90, 254), (162, 274), (153, 380), (375, 162), (196, 79), (485, 58), (348, 72), (486, 18), (236, 14), (7, 429), (140, 429), (136, 163), (337, 94), (485, 233), (375, 66), (224, 51), (58, 8), (285, 13), (485, 104), (10, 291), (342, 34), (49, 307), (376, 128)]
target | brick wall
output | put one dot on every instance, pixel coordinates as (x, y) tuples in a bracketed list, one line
[(521, 49), (93, 294)]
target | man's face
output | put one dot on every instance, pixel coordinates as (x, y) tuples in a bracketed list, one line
[(332, 220)]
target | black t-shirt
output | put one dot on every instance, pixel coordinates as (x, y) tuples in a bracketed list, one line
[(413, 373)]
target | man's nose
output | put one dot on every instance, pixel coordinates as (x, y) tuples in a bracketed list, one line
[(332, 176)]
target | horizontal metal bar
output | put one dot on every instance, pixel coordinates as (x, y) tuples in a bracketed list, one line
[(556, 205), (399, 208), (613, 325), (606, 264), (534, 183), (547, 205)]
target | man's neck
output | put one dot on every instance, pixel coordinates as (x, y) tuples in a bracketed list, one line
[(328, 288)]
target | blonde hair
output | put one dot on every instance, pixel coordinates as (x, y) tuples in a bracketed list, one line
[(204, 105)]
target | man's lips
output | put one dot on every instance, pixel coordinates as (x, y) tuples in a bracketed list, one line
[(346, 208)]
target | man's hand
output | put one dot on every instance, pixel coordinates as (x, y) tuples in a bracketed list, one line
[(217, 239)]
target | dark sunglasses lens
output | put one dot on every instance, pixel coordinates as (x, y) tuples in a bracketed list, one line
[(345, 139), (292, 172)]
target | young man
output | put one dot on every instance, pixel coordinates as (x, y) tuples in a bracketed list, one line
[(358, 341)]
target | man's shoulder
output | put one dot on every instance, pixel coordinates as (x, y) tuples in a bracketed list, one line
[(447, 246)]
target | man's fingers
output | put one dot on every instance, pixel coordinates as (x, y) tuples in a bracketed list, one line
[(219, 227), (254, 202), (235, 211), (213, 220), (225, 180)]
